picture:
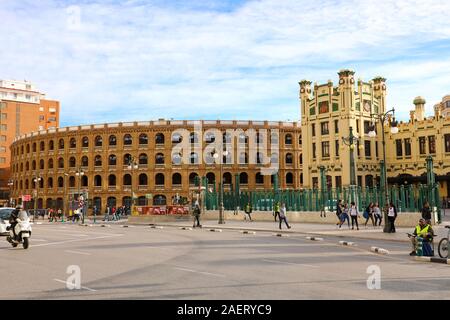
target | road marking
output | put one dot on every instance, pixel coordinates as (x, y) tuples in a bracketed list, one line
[(40, 240), (66, 283), (78, 252), (290, 263), (76, 240), (201, 272)]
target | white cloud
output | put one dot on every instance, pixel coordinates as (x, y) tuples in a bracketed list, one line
[(149, 58)]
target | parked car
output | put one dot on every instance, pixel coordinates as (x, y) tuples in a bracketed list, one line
[(5, 213)]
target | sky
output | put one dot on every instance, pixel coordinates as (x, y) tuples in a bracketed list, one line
[(135, 60)]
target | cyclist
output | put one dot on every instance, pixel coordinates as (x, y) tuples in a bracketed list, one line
[(422, 230)]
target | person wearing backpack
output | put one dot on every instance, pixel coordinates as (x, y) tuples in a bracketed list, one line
[(344, 216)]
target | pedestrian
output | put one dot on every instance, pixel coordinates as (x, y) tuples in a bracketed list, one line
[(248, 211), (377, 214), (106, 218), (426, 212), (59, 214), (277, 211), (339, 211), (392, 215), (354, 215), (368, 214), (113, 211), (344, 216), (197, 212), (282, 215)]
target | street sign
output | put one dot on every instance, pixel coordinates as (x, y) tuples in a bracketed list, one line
[(26, 198), (149, 196)]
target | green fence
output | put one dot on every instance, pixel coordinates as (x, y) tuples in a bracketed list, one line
[(409, 198)]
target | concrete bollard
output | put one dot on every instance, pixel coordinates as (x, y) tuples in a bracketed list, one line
[(314, 239), (346, 243), (215, 230)]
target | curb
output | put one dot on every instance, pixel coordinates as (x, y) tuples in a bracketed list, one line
[(185, 228), (248, 232), (280, 234), (215, 230), (314, 239), (432, 259), (346, 243), (379, 250)]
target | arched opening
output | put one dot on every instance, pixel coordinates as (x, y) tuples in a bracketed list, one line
[(50, 183), (159, 138), (143, 139), (85, 142), (61, 144), (227, 178), (289, 158), (61, 163), (112, 140), (84, 181), (84, 161), (127, 159), (51, 146), (60, 182), (143, 159), (289, 178), (112, 160), (176, 158), (159, 200), (194, 158), (176, 179), (127, 140), (259, 178), (42, 146), (243, 178), (288, 139), (98, 141), (72, 143), (97, 181), (143, 180), (72, 162), (159, 158), (50, 164), (41, 164), (211, 177), (127, 180), (111, 202), (98, 161), (112, 180), (71, 182), (159, 179), (192, 178)]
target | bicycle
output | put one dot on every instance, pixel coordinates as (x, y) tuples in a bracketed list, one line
[(443, 245)]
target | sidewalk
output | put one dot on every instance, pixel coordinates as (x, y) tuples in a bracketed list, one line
[(311, 229)]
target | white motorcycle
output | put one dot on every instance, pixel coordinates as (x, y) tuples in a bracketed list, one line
[(22, 231)]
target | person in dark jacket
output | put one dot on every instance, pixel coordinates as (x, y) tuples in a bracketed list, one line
[(197, 213), (13, 220), (426, 212)]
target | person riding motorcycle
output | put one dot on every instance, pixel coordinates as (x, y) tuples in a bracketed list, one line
[(13, 220)]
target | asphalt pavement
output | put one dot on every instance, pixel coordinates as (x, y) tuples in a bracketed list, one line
[(141, 262)]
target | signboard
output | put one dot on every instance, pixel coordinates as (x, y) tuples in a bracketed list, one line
[(26, 198), (149, 196)]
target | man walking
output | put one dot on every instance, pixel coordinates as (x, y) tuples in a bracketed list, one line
[(248, 211), (277, 211), (282, 215), (197, 213)]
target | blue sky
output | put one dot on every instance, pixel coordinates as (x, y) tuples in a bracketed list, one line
[(110, 61)]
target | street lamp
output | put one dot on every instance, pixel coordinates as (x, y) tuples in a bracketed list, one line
[(372, 133), (10, 185), (36, 181), (79, 174), (216, 156), (132, 165), (350, 141)]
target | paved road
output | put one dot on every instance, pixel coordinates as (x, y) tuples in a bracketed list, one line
[(143, 263)]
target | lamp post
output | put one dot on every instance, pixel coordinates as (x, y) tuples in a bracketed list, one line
[(36, 181), (132, 165), (10, 185), (79, 174), (65, 204), (350, 141), (216, 156), (372, 133)]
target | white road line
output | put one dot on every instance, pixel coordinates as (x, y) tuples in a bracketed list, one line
[(76, 235), (78, 252), (76, 240), (290, 263), (39, 240), (65, 282), (201, 272)]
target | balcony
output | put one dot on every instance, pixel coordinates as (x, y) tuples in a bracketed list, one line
[(140, 188)]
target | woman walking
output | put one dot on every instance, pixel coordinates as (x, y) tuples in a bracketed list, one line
[(377, 214), (339, 212), (368, 214), (344, 216), (354, 215)]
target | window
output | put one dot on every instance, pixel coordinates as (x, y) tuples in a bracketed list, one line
[(314, 150), (367, 126), (398, 147), (289, 158), (112, 140), (376, 149), (422, 142), (336, 147), (41, 118), (85, 142), (73, 143), (112, 160), (313, 130), (127, 140), (159, 139), (338, 180), (432, 144), (324, 128), (325, 149), (3, 127), (407, 147), (159, 158), (288, 139), (98, 141), (324, 107), (315, 182), (336, 126), (367, 149), (98, 161), (4, 115), (84, 161), (52, 119), (143, 139), (143, 158), (3, 138), (447, 141), (61, 143)]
